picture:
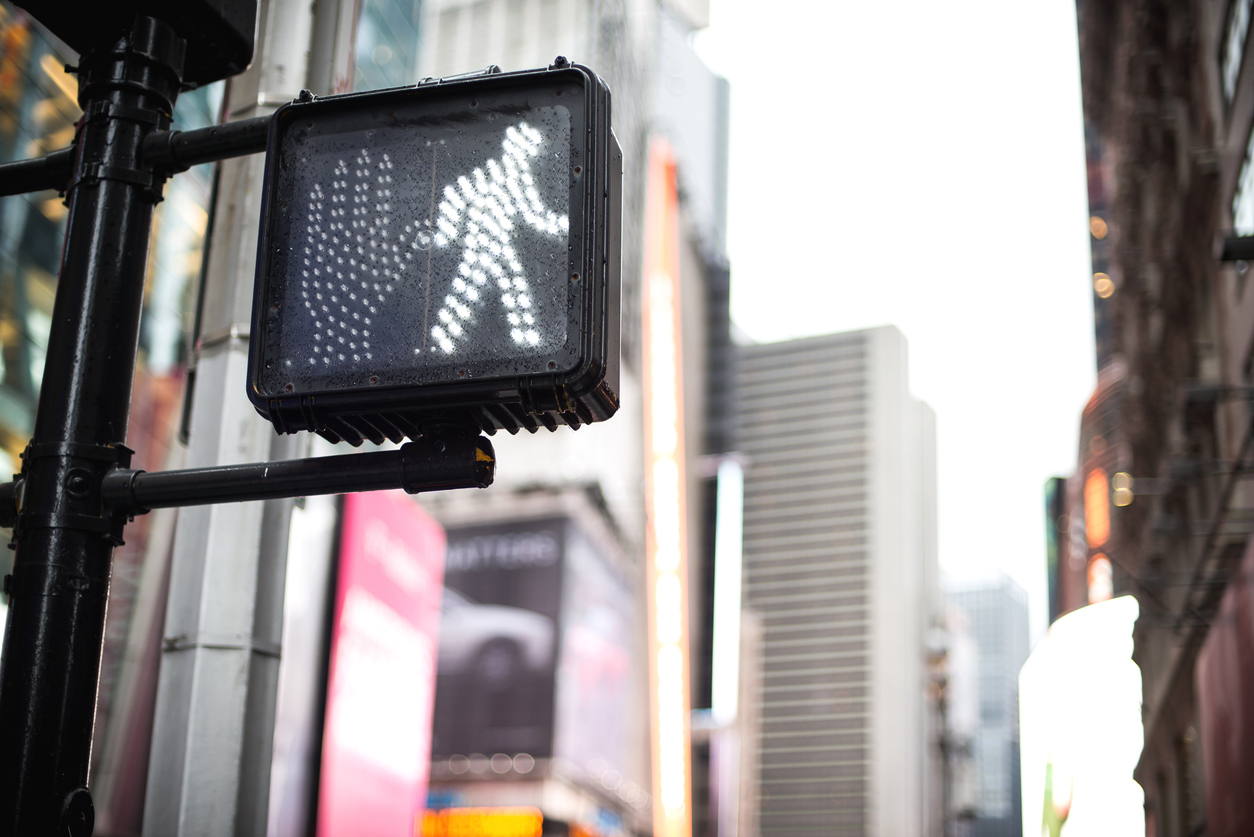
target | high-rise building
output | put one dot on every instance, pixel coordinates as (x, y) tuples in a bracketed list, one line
[(998, 616), (840, 566)]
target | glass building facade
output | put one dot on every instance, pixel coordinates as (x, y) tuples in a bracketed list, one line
[(387, 44)]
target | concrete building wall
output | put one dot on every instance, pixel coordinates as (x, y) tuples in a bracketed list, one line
[(931, 766), (894, 590), (690, 105), (903, 562), (927, 756)]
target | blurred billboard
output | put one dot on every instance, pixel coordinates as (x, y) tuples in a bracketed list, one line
[(498, 640), (1080, 726), (535, 649), (539, 698), (594, 678), (377, 735)]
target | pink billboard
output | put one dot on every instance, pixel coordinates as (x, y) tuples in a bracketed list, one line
[(376, 750)]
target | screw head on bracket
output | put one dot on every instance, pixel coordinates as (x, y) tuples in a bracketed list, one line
[(78, 482), (78, 814)]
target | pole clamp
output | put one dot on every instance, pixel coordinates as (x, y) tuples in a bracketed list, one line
[(111, 110), (93, 173), (108, 528), (108, 525), (117, 454)]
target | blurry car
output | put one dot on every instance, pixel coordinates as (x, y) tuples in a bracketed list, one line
[(493, 643)]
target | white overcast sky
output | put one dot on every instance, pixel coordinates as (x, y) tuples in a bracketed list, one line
[(922, 164)]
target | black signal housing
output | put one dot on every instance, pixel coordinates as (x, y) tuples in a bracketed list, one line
[(445, 253)]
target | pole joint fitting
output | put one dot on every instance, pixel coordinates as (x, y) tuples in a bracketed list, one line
[(83, 468)]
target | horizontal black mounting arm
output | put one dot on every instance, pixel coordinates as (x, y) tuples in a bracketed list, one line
[(52, 171), (1237, 248), (175, 151), (424, 465), (167, 152)]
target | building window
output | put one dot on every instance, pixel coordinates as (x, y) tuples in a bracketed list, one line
[(1234, 45), (1243, 199)]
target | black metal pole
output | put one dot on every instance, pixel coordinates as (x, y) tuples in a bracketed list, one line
[(65, 534)]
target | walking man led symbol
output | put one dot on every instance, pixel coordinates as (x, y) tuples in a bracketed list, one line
[(490, 206), (353, 261)]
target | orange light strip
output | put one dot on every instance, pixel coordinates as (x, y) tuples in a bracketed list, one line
[(666, 504), (483, 822), (1097, 508)]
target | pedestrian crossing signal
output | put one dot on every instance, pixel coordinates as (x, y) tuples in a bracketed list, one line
[(443, 252)]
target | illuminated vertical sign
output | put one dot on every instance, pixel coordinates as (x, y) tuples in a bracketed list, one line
[(1097, 507), (666, 503), (376, 747), (1097, 528), (728, 561)]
